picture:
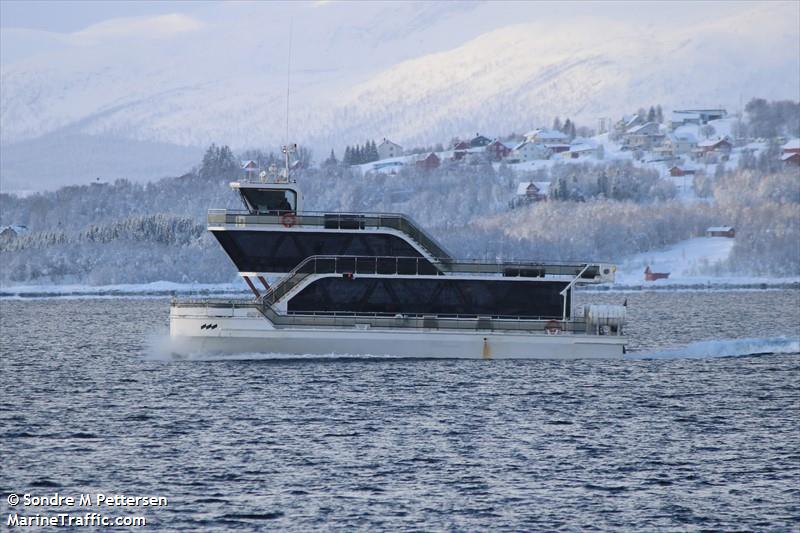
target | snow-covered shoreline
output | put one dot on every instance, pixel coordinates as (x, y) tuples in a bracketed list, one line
[(166, 289), (154, 289)]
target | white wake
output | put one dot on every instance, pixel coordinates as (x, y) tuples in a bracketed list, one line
[(725, 348)]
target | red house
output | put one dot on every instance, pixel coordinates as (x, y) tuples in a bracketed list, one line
[(497, 150), (715, 145), (721, 231), (431, 162), (791, 158), (649, 275), (681, 171), (791, 152)]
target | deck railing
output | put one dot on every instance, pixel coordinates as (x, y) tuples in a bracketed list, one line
[(392, 320), (415, 266), (396, 221)]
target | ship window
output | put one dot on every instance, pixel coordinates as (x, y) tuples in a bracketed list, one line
[(269, 201)]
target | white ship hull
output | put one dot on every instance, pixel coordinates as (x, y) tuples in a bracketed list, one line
[(219, 331)]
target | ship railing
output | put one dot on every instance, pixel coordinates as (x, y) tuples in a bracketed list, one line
[(350, 265), (343, 221), (419, 266), (546, 324)]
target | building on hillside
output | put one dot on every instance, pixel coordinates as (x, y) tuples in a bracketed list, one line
[(791, 158), (529, 192), (790, 148), (479, 141), (430, 162), (496, 150), (681, 117), (677, 144), (461, 145), (9, 233), (579, 150), (721, 231), (682, 170), (649, 275), (719, 145), (543, 136), (627, 122), (528, 151), (388, 149), (643, 137), (557, 148), (250, 168)]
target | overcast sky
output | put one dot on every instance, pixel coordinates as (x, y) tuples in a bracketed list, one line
[(65, 16)]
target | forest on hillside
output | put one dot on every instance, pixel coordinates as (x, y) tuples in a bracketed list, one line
[(124, 232)]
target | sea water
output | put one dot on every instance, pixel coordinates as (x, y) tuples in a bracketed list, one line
[(697, 429)]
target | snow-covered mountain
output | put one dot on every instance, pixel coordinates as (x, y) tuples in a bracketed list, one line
[(168, 85)]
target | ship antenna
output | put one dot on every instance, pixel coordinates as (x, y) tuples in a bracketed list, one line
[(288, 78), (286, 147)]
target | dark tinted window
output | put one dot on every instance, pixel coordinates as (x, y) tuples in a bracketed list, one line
[(269, 201), (281, 251), (439, 296)]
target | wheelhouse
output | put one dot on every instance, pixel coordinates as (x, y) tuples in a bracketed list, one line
[(268, 198)]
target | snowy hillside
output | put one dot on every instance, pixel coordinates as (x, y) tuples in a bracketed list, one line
[(415, 72)]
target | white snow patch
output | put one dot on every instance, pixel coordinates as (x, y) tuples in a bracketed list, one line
[(685, 261)]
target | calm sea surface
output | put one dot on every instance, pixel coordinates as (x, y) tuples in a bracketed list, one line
[(676, 437)]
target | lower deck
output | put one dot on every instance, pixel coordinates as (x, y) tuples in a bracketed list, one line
[(239, 328)]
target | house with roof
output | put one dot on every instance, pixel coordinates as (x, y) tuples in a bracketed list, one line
[(529, 192), (9, 233), (791, 152), (543, 136), (721, 231), (429, 162), (677, 144), (791, 147), (387, 149), (716, 144), (479, 141), (579, 150), (704, 116), (627, 122), (528, 151), (250, 168), (496, 150), (643, 136), (677, 171)]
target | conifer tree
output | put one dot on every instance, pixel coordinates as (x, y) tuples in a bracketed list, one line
[(651, 114), (557, 124)]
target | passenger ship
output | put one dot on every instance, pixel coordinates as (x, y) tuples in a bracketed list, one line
[(369, 284)]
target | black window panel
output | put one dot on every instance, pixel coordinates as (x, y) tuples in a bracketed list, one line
[(269, 201), (441, 296), (346, 264), (281, 251)]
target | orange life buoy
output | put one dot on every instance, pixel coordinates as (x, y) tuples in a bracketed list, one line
[(288, 220)]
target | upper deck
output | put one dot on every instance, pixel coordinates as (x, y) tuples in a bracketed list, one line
[(428, 251)]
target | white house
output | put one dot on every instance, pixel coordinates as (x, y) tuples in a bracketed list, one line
[(529, 151), (543, 136), (644, 136), (680, 117), (579, 150), (389, 149)]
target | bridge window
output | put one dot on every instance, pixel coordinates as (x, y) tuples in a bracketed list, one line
[(269, 201)]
